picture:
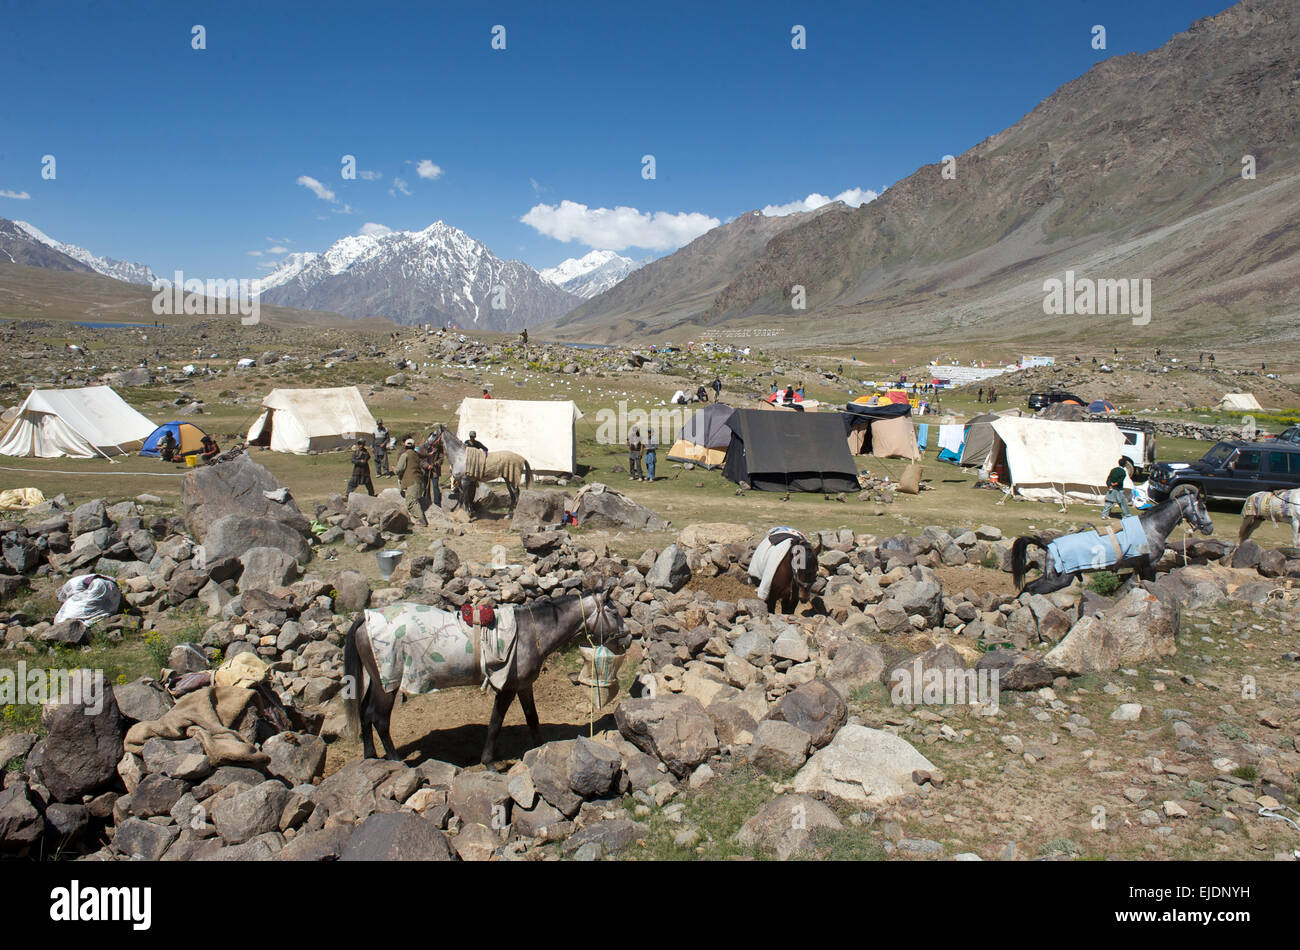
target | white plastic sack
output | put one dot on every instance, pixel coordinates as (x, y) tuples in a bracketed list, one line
[(88, 598)]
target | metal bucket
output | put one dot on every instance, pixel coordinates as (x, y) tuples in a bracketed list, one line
[(388, 562)]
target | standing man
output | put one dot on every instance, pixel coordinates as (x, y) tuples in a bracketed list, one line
[(651, 446), (635, 449), (473, 443), (717, 388), (360, 470), (380, 443), (1115, 493), (979, 396), (409, 477)]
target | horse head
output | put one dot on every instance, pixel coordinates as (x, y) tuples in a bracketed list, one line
[(602, 623), (455, 452), (1194, 510), (803, 565)]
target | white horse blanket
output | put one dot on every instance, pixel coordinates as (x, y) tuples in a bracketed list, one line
[(768, 556), (422, 648)]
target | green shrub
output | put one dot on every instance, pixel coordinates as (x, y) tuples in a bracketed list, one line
[(1104, 582)]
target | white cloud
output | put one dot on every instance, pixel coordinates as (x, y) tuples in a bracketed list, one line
[(254, 253), (613, 229), (399, 184), (853, 197), (378, 230), (319, 190), (278, 249), (426, 169), (371, 176), (19, 195)]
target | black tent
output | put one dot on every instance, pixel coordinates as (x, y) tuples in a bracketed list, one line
[(789, 451)]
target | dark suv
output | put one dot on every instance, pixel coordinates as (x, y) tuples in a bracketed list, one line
[(1043, 400), (1230, 470), (1290, 434)]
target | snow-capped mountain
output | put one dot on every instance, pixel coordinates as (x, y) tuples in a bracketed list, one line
[(109, 267), (592, 273), (432, 276)]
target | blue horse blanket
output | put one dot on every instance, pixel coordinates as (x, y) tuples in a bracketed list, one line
[(1090, 551)]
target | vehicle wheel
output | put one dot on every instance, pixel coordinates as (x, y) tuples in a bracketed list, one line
[(1185, 489), (1128, 467)]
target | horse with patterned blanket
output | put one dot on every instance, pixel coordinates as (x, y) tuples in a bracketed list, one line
[(1272, 506), (1138, 544), (470, 467), (415, 648)]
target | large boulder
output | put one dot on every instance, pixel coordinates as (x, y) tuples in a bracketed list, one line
[(251, 812), (862, 766), (786, 825), (20, 823), (397, 836), (601, 507), (232, 535), (83, 739), (817, 708), (670, 571), (918, 596), (266, 568), (537, 507), (237, 487), (674, 729), (1140, 628)]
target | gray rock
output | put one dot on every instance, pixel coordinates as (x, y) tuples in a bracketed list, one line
[(397, 836), (143, 700), (142, 840), (297, 758), (779, 747), (862, 766), (251, 813), (817, 708), (674, 729), (82, 744), (786, 825), (670, 571), (266, 568), (20, 823)]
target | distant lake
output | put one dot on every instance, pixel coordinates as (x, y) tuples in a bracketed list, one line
[(114, 326)]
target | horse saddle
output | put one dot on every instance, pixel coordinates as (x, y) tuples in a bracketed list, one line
[(481, 615)]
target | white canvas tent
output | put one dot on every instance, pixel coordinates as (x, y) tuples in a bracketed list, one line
[(312, 420), (1050, 461), (1240, 402), (81, 423), (541, 431)]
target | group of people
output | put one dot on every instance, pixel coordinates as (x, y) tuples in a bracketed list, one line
[(641, 449), (169, 449), (992, 395), (418, 471), (702, 394)]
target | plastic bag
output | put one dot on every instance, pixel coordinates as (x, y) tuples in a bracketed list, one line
[(88, 598)]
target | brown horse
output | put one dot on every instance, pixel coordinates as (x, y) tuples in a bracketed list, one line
[(794, 576), (541, 628)]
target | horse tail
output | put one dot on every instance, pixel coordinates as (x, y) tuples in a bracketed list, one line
[(528, 474), (352, 675), (1018, 556)]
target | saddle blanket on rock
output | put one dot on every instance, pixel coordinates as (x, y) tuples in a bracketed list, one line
[(1090, 550), (768, 556), (421, 648)]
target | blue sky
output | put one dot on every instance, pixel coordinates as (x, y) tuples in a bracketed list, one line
[(187, 159)]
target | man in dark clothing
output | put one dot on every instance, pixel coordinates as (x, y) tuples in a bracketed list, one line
[(209, 451), (167, 446), (979, 396), (360, 470), (717, 388), (1115, 493), (702, 394), (635, 450), (473, 443), (380, 443), (431, 456)]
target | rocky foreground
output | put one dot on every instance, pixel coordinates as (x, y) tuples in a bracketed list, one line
[(236, 769)]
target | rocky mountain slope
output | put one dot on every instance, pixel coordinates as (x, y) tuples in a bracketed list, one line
[(1132, 171), (592, 273), (23, 243)]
